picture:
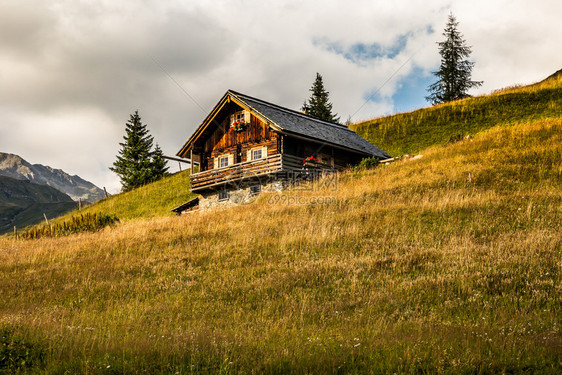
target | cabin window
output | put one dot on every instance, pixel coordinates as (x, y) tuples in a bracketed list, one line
[(256, 189), (256, 154), (223, 195), (325, 159), (222, 161), (240, 115)]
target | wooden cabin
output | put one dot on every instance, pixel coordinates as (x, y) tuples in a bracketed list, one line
[(247, 145)]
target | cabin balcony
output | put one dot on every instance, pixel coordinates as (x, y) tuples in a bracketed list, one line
[(271, 165)]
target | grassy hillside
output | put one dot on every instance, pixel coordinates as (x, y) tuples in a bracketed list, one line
[(149, 201), (23, 203), (413, 267), (409, 133), (450, 263)]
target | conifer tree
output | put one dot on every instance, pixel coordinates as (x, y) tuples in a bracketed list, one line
[(318, 105), (455, 70), (159, 164), (136, 164)]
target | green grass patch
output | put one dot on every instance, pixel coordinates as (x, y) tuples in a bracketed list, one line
[(150, 201), (153, 200), (409, 133)]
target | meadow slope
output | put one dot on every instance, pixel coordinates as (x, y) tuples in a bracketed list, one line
[(448, 263), (410, 133)]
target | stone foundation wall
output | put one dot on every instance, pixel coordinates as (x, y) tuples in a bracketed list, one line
[(238, 194)]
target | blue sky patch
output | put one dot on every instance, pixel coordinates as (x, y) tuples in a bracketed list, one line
[(360, 52), (412, 90), (410, 93)]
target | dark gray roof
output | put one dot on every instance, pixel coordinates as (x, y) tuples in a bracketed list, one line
[(297, 123)]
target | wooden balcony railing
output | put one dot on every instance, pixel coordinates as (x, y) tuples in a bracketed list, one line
[(255, 168)]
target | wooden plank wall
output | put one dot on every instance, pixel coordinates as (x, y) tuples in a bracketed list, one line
[(339, 158), (224, 141)]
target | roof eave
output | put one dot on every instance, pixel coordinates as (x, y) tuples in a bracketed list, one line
[(335, 145)]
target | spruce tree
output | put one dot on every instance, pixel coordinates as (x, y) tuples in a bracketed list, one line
[(455, 70), (136, 164), (159, 164), (318, 105)]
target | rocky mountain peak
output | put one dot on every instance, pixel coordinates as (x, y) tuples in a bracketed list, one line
[(77, 188)]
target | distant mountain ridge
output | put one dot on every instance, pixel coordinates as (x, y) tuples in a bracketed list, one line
[(76, 187), (23, 203)]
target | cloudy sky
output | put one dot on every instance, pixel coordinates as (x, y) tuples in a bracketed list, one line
[(72, 71)]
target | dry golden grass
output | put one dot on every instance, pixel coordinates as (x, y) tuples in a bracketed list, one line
[(413, 268)]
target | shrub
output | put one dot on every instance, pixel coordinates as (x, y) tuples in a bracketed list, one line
[(368, 163), (16, 353), (82, 223), (455, 138)]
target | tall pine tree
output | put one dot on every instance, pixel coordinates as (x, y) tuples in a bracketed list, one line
[(318, 105), (455, 70), (137, 164)]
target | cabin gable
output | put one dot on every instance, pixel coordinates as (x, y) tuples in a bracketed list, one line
[(214, 140), (224, 141)]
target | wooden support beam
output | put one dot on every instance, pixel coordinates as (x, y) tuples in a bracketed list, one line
[(177, 159), (191, 158)]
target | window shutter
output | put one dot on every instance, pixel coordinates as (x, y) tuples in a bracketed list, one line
[(216, 160), (264, 152), (247, 116), (249, 155), (230, 159)]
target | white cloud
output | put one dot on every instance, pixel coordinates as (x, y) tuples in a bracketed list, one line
[(76, 70)]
